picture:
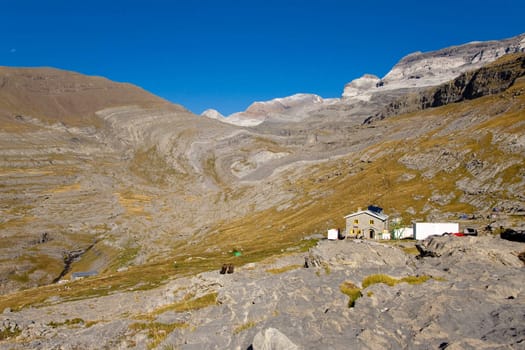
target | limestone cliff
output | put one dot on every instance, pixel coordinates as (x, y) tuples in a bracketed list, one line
[(491, 79)]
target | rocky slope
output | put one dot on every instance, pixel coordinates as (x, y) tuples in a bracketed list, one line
[(472, 296)]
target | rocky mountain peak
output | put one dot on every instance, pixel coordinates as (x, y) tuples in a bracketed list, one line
[(436, 67), (213, 114)]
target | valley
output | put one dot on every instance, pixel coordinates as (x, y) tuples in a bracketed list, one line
[(104, 177)]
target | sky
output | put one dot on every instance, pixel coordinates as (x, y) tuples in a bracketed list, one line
[(228, 54)]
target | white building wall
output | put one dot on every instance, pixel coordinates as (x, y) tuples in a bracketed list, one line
[(424, 229)]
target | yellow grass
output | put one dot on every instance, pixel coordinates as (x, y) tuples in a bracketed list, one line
[(190, 303), (352, 291), (66, 188), (244, 326), (134, 203), (391, 281)]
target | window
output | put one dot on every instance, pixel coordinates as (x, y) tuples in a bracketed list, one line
[(356, 221), (371, 222)]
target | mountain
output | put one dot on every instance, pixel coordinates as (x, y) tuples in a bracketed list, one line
[(290, 108), (416, 70), (103, 177), (60, 96)]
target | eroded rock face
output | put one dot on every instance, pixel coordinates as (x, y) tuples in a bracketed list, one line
[(360, 88), (484, 81)]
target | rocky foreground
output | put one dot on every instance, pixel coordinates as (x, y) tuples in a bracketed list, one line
[(474, 298)]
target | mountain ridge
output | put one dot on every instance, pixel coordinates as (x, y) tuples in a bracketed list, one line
[(415, 70)]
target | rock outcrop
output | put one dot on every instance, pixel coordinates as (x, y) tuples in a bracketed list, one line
[(472, 295), (361, 88), (213, 114)]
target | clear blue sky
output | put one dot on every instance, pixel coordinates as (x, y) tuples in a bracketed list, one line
[(226, 54)]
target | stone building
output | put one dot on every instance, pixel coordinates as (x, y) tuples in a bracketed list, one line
[(371, 223)]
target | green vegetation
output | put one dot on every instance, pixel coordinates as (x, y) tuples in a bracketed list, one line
[(379, 278), (124, 257), (382, 278)]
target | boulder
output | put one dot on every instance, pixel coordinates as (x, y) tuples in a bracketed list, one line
[(272, 339)]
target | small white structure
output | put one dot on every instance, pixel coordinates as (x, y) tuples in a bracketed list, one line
[(333, 234), (423, 230)]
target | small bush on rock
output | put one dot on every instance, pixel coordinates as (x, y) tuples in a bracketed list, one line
[(352, 291), (378, 278), (391, 281)]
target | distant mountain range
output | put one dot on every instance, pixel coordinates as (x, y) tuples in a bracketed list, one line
[(416, 70)]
